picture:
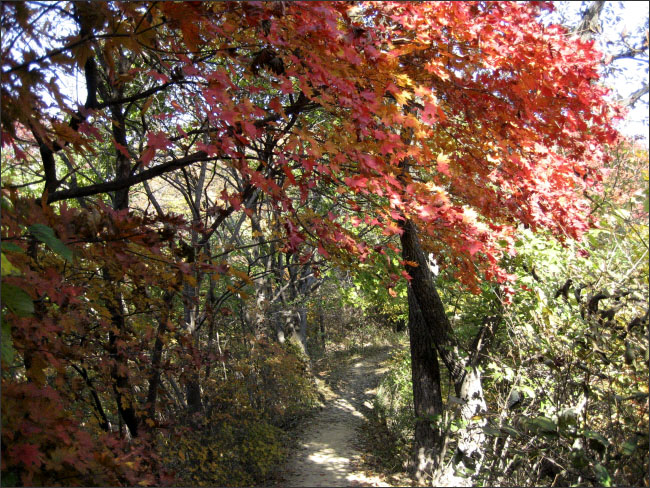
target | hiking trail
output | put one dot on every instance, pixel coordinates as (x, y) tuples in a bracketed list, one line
[(326, 453)]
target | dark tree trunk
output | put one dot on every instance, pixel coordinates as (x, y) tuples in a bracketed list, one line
[(156, 356), (193, 393), (192, 385), (122, 388), (427, 394), (191, 317), (121, 383), (429, 301), (436, 330)]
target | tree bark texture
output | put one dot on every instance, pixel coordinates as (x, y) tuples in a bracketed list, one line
[(589, 26), (436, 329), (427, 395)]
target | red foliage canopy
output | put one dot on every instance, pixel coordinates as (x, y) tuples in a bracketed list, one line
[(498, 117), (470, 118)]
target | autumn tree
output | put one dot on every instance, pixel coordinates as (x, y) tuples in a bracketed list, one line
[(443, 126)]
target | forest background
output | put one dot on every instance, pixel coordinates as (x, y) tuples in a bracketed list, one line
[(245, 190)]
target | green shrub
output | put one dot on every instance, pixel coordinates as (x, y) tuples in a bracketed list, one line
[(394, 403)]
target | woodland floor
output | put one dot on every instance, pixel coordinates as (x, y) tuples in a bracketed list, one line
[(328, 452)]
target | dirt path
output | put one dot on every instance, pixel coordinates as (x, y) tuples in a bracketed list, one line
[(327, 455)]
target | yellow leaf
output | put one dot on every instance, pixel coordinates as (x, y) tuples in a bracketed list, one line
[(81, 53), (403, 97), (8, 268), (404, 80)]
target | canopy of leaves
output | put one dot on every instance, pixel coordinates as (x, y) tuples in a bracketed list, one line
[(320, 124)]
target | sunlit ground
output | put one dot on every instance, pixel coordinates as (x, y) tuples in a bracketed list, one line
[(327, 456)]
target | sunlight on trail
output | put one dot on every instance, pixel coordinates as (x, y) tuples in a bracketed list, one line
[(326, 456)]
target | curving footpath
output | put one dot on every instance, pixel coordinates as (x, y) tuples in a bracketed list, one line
[(326, 455)]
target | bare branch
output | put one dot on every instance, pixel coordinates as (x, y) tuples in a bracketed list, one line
[(121, 184), (634, 97)]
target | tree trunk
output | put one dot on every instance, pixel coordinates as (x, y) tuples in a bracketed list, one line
[(121, 383), (193, 393), (122, 387), (467, 460), (436, 328), (590, 23), (302, 319), (427, 394), (156, 356), (429, 301), (292, 328), (279, 326), (192, 386)]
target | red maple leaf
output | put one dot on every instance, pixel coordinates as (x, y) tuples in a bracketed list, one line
[(28, 454)]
